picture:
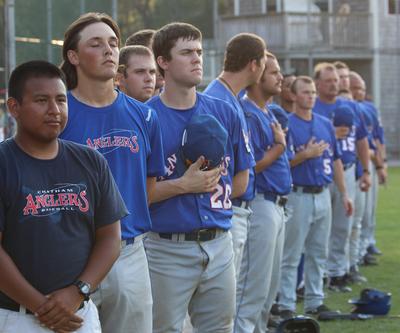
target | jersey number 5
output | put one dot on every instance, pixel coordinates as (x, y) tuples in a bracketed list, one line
[(327, 166), (221, 197)]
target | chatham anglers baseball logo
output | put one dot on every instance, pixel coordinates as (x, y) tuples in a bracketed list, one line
[(64, 197), (115, 139)]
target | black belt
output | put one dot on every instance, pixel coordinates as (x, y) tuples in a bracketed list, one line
[(16, 307), (202, 235), (308, 189), (276, 198), (348, 166), (241, 203)]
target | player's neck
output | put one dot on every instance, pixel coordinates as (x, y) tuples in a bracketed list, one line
[(235, 82), (258, 98), (288, 106), (95, 93), (305, 114), (327, 99), (177, 96), (37, 149)]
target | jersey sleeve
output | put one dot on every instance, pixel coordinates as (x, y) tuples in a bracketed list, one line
[(110, 207), (243, 155), (361, 130), (337, 153), (155, 159)]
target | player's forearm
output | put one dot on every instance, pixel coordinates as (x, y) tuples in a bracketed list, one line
[(105, 251), (150, 186), (270, 156), (299, 158), (363, 153), (167, 189), (338, 176), (240, 182), (15, 286)]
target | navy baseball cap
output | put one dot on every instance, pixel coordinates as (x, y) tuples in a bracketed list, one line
[(344, 116), (203, 136), (280, 114)]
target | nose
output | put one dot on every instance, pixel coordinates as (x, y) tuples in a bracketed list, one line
[(107, 49), (54, 108)]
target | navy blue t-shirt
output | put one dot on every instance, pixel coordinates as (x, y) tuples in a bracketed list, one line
[(50, 210)]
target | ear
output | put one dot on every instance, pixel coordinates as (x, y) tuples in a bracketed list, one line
[(119, 80), (253, 64), (73, 57), (162, 62), (13, 107)]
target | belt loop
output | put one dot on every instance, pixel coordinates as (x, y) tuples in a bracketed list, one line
[(22, 310)]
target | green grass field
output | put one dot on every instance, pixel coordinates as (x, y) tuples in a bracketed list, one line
[(385, 276)]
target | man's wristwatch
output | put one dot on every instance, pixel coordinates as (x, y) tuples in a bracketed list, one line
[(84, 288)]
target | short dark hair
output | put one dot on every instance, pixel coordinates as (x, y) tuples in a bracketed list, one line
[(241, 49), (301, 78), (166, 37), (71, 40), (127, 51), (28, 70), (142, 37)]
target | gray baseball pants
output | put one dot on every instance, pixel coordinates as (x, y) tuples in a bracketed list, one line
[(359, 206), (307, 229), (338, 263), (193, 277), (260, 270), (240, 225), (368, 222), (124, 297)]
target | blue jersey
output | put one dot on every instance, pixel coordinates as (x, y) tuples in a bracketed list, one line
[(317, 171), (357, 132), (127, 133), (218, 90), (275, 178), (188, 212), (371, 107)]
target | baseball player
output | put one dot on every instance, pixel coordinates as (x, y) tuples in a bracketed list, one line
[(145, 37), (286, 98), (137, 72), (59, 213), (127, 133), (243, 65), (315, 163), (352, 138), (189, 249), (260, 269), (377, 166)]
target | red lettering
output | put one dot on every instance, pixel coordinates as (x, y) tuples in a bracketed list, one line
[(135, 146), (30, 205), (85, 206)]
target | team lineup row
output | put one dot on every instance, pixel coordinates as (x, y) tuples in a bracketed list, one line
[(129, 200)]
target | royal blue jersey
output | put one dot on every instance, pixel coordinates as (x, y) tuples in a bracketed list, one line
[(317, 171), (50, 211), (218, 90), (357, 132), (276, 177), (127, 133), (371, 107), (188, 212)]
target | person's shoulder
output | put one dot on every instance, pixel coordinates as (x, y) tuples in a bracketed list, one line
[(213, 101), (84, 152), (322, 119)]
